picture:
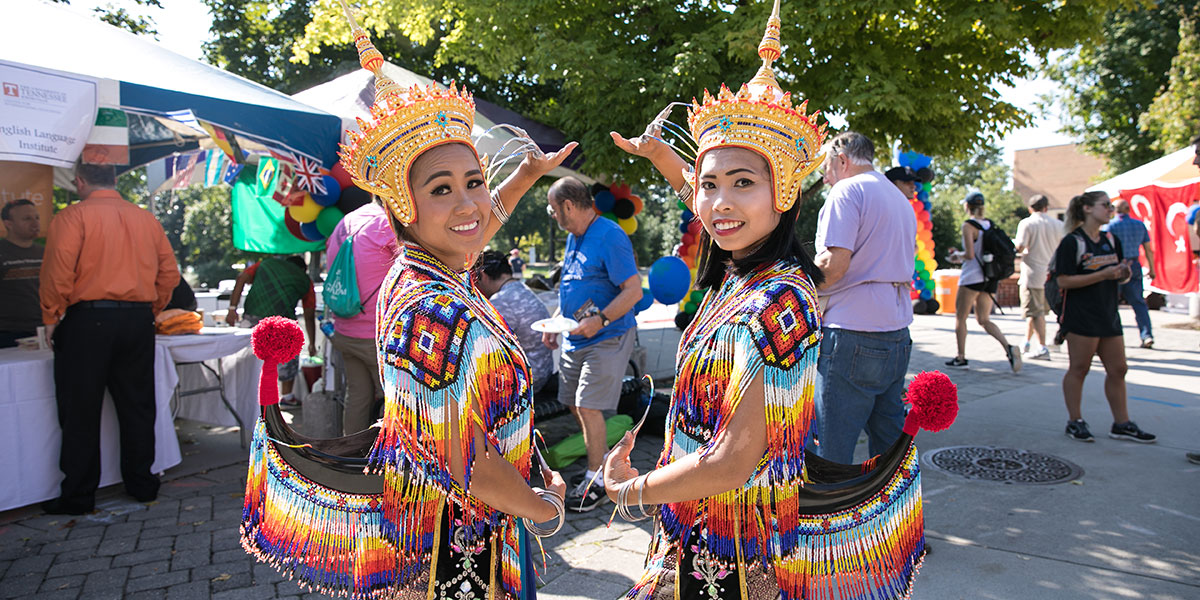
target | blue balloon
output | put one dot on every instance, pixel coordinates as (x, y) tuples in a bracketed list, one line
[(687, 216), (683, 227), (333, 191), (923, 196), (311, 232), (604, 201), (670, 279), (926, 294), (1193, 214), (646, 301)]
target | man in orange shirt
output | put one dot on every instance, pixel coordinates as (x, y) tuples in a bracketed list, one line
[(108, 269)]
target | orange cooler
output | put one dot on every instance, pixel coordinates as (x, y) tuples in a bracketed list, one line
[(946, 289)]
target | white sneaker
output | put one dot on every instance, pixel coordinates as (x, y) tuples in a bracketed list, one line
[(1041, 354)]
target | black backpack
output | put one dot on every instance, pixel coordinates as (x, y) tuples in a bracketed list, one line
[(999, 256)]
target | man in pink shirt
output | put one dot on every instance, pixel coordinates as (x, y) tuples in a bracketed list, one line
[(375, 250)]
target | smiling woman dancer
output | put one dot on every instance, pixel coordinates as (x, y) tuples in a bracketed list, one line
[(742, 510), (454, 508)]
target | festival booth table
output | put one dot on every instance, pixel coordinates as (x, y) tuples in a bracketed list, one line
[(30, 438)]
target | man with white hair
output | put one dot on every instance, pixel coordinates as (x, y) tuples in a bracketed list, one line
[(866, 245)]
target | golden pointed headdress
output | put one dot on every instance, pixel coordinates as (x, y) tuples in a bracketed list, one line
[(404, 123), (760, 117)]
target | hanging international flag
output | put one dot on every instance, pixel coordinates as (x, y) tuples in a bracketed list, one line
[(226, 141), (308, 176), (180, 169), (268, 168), (1163, 209), (188, 118), (214, 168), (108, 142), (232, 170)]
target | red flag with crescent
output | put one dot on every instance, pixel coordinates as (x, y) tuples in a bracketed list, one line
[(1163, 209)]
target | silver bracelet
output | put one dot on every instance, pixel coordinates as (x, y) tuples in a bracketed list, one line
[(623, 503), (559, 506), (498, 208), (686, 193), (642, 506)]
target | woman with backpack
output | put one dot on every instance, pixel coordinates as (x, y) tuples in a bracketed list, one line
[(1089, 270), (974, 288)]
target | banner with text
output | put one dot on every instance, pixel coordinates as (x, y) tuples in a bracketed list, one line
[(45, 116)]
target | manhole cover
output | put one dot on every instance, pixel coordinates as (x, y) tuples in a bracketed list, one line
[(1006, 465)]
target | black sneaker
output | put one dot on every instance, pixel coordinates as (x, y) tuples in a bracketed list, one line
[(1193, 457), (585, 498), (1014, 358), (1130, 431), (1078, 431), (956, 362)]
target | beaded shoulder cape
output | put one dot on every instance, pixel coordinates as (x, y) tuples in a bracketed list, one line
[(767, 322), (445, 356)]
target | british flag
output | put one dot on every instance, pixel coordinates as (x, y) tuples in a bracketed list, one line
[(308, 175)]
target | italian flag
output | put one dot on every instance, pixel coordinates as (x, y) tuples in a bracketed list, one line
[(108, 143)]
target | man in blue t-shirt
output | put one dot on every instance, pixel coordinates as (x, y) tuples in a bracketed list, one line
[(600, 286)]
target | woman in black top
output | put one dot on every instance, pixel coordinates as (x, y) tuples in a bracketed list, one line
[(1090, 270)]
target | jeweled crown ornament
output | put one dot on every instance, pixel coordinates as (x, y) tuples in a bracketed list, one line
[(404, 123), (760, 117)]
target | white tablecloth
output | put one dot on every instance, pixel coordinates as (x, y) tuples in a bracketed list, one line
[(30, 438), (242, 368)]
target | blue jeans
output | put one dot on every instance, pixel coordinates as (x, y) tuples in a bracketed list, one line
[(860, 385), (1132, 292)]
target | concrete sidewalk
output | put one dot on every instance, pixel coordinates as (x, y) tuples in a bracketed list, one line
[(1129, 527)]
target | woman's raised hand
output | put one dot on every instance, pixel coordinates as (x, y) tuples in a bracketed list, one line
[(644, 145), (540, 164)]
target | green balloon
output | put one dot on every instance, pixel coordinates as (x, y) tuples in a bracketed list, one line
[(681, 205), (329, 217), (697, 296), (610, 216), (690, 307)]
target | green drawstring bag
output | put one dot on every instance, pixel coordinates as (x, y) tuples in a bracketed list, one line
[(569, 450), (341, 286)]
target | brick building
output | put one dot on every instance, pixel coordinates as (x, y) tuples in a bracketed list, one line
[(1059, 172)]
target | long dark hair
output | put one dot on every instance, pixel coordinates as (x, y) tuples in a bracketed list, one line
[(782, 244)]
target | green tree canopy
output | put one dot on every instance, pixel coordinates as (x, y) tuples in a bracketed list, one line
[(1112, 79), (1173, 119), (925, 72)]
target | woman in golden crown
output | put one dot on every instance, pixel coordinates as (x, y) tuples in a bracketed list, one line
[(456, 515), (740, 509)]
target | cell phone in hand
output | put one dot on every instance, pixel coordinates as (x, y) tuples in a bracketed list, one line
[(588, 309)]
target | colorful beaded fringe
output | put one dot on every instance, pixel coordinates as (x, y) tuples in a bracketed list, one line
[(326, 540), (445, 355), (767, 322)]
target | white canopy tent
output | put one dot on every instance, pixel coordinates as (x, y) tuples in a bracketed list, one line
[(1173, 170)]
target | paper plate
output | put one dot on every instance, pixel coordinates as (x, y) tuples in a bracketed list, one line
[(558, 324)]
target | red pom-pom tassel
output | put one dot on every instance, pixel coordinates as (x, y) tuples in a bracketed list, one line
[(275, 340), (934, 400)]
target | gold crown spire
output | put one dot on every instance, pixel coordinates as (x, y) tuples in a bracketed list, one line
[(403, 124), (760, 117), (769, 50)]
